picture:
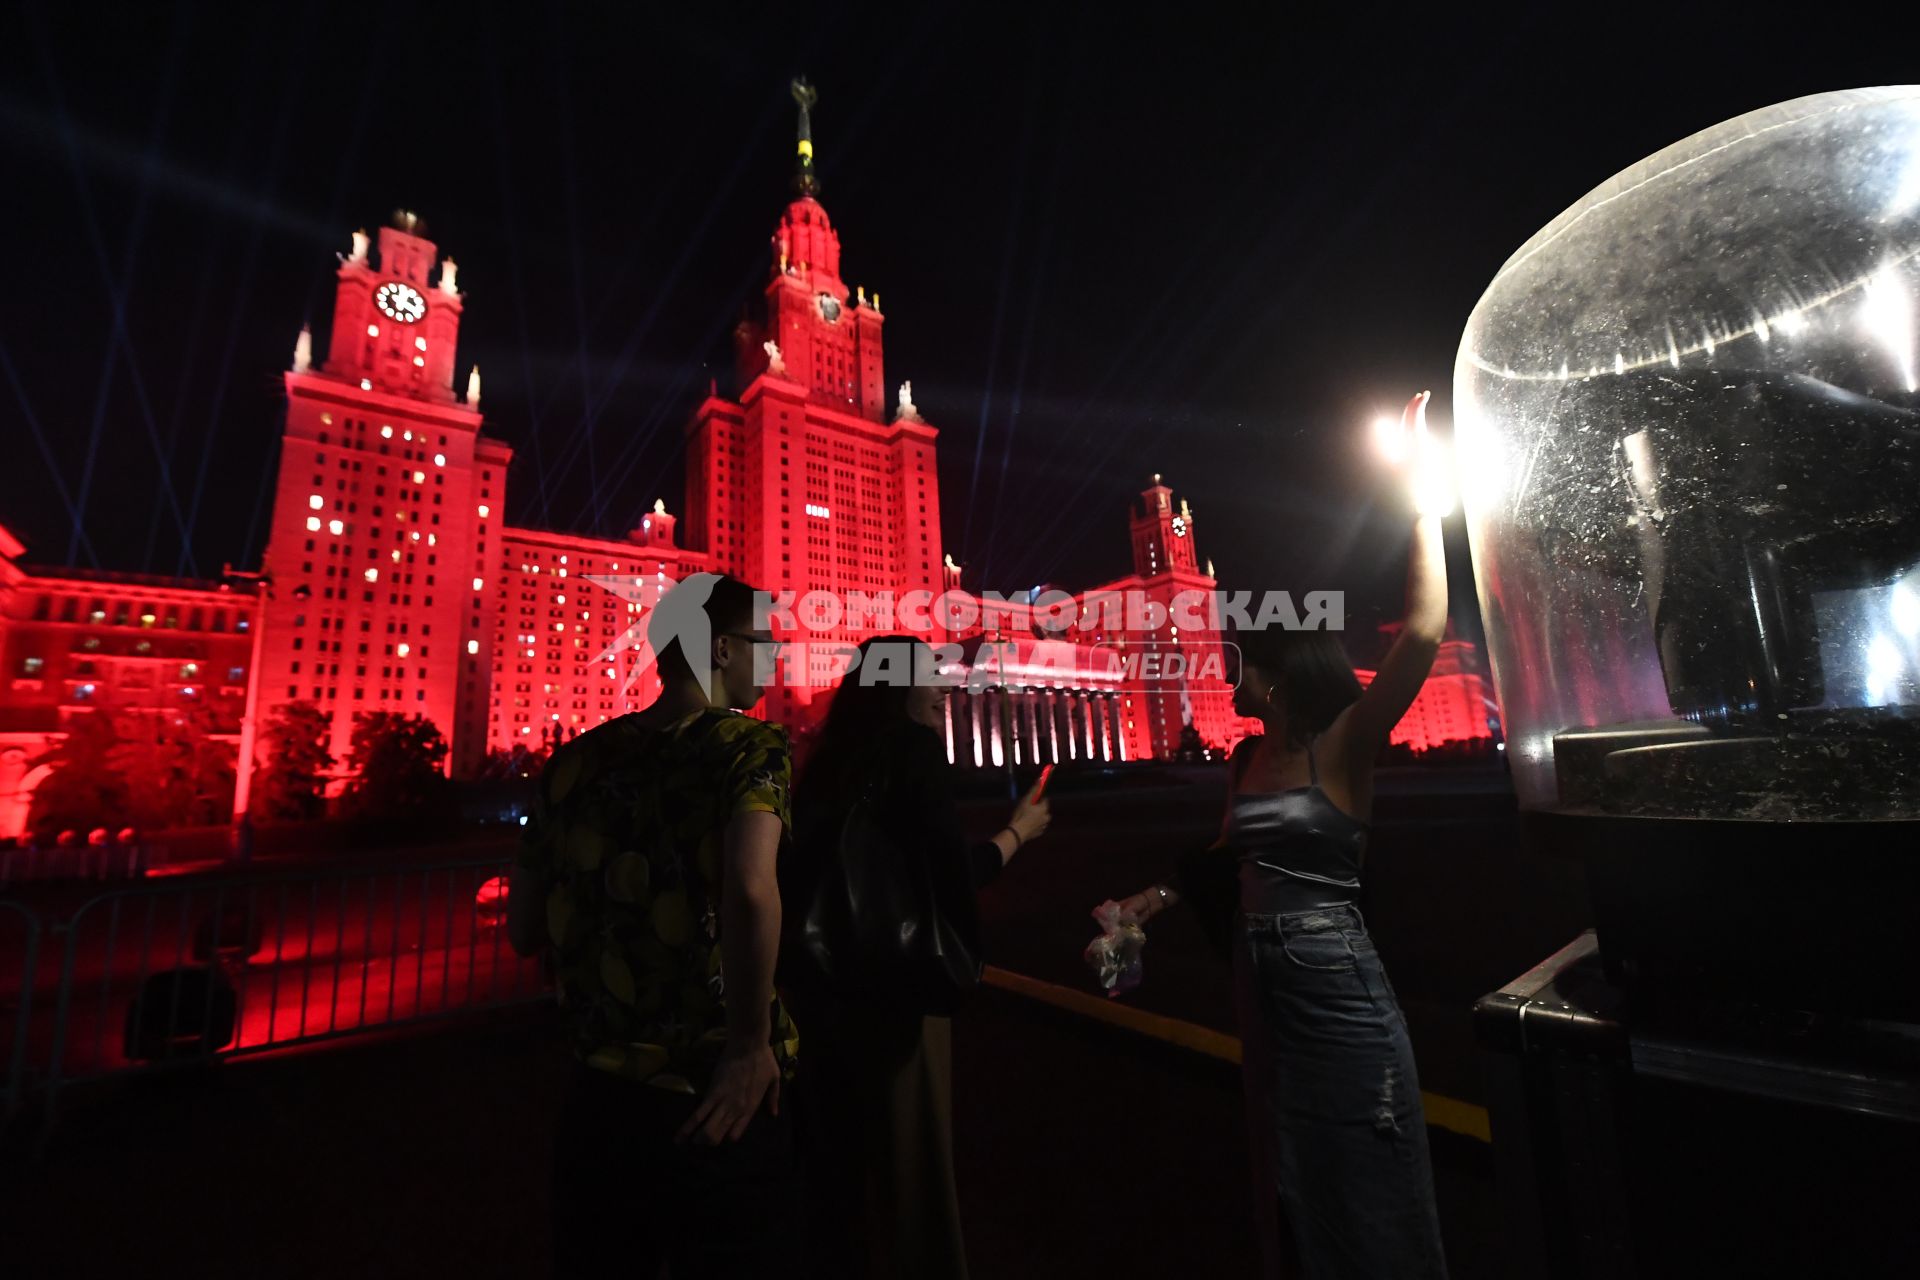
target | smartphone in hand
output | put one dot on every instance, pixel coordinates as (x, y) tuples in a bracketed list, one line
[(1040, 788)]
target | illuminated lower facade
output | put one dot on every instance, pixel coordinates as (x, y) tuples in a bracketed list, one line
[(566, 649), (1106, 674), (1456, 706), (140, 648)]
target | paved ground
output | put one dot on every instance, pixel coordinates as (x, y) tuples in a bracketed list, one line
[(1083, 1151)]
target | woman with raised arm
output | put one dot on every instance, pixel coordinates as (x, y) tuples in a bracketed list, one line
[(1333, 1097)]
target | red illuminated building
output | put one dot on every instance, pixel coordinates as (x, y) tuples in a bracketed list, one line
[(389, 511), (1456, 707), (1105, 674), (805, 482), (565, 650), (74, 642), (392, 582)]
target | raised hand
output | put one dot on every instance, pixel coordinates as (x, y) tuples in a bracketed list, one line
[(1432, 468)]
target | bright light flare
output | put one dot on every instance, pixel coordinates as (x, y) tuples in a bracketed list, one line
[(1390, 440), (1434, 490), (1885, 666), (1888, 315), (1428, 461), (1904, 611)]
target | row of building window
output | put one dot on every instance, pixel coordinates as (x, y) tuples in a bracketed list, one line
[(128, 613), (330, 693)]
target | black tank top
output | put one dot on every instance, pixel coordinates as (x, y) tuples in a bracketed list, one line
[(1297, 850)]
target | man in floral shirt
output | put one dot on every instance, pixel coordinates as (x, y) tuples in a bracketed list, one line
[(649, 872)]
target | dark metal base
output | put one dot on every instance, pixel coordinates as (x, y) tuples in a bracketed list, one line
[(1812, 920), (1717, 1146)]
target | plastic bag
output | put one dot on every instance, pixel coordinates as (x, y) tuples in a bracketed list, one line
[(1116, 956)]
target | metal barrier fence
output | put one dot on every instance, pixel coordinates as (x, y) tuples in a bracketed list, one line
[(111, 861), (171, 973), (19, 953)]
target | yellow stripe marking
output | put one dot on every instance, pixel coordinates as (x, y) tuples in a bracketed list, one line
[(1442, 1112)]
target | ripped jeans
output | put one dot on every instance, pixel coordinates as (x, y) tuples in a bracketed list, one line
[(1333, 1101)]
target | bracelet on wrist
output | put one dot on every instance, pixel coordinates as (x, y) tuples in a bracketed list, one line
[(1017, 841)]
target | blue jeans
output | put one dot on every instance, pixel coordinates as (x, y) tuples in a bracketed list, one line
[(1333, 1101)]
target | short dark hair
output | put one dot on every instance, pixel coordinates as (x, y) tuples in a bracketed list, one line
[(1311, 670), (729, 605)]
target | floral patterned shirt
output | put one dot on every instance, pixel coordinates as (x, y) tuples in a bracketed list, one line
[(625, 838)]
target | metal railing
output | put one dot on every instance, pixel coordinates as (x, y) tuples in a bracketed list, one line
[(173, 973), (19, 952), (110, 861)]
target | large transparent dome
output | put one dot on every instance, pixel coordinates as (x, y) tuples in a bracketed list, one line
[(1689, 434)]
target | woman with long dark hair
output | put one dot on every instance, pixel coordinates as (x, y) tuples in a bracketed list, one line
[(1333, 1097), (876, 1087)]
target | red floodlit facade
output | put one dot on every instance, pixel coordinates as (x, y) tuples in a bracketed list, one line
[(1107, 675), (1167, 564), (568, 619), (389, 511), (804, 484), (1456, 707), (392, 582), (72, 643)]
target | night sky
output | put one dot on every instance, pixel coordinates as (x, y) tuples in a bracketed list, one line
[(1210, 247)]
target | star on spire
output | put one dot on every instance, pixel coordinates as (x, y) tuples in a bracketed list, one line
[(805, 181)]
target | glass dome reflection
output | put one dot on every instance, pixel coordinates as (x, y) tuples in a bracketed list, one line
[(1689, 436)]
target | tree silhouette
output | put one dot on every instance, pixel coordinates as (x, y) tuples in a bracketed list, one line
[(397, 764), (293, 785), (83, 791), (175, 771), (514, 763)]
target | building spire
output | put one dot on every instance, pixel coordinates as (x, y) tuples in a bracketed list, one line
[(805, 181)]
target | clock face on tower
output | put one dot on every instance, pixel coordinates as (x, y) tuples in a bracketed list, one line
[(829, 308), (1179, 527), (400, 302)]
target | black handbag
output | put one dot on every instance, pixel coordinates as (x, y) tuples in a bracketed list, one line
[(874, 928)]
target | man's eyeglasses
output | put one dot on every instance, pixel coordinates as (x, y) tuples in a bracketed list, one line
[(753, 639)]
